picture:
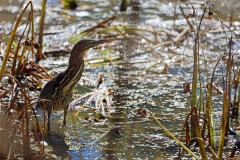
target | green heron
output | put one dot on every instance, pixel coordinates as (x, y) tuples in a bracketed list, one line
[(59, 90)]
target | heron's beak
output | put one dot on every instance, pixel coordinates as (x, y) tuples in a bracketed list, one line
[(98, 42)]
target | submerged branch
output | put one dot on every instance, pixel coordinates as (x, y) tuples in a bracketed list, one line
[(173, 137)]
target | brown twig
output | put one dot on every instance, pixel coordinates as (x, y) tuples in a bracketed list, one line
[(100, 25)]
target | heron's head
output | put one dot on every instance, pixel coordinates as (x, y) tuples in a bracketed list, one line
[(82, 46)]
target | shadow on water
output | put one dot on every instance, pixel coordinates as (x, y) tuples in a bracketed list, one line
[(61, 149), (58, 145)]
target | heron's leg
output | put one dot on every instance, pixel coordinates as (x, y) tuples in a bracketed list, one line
[(49, 115), (65, 115)]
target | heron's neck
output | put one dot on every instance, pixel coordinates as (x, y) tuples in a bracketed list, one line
[(73, 75)]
